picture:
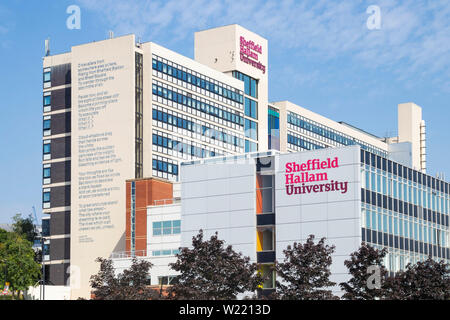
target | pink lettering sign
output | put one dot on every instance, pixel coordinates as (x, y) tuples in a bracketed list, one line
[(249, 54)]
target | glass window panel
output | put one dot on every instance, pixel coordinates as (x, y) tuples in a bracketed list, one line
[(47, 76), (46, 172), (46, 197), (47, 148), (47, 100)]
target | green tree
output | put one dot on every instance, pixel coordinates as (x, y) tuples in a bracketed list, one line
[(129, 285), (211, 271), (17, 259), (24, 227), (368, 274), (425, 280), (3, 235), (305, 272)]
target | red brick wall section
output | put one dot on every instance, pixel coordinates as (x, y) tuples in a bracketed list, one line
[(141, 214), (147, 191)]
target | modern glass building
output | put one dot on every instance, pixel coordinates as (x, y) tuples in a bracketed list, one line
[(403, 210)]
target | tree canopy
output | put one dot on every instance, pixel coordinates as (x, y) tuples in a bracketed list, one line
[(17, 262), (305, 271), (368, 274), (211, 271), (24, 227), (131, 284), (425, 280)]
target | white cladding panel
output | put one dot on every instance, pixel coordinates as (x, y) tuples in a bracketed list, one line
[(222, 198), (321, 211)]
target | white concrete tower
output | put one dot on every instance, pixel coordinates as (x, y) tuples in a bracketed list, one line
[(411, 128)]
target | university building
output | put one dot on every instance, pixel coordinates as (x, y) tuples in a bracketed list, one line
[(122, 120)]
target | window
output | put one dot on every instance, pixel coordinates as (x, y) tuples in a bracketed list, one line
[(47, 124), (166, 252), (167, 228), (46, 197), (251, 108), (47, 76), (166, 280), (47, 100), (46, 173), (250, 84), (250, 146), (46, 249), (176, 224), (251, 129), (45, 227), (157, 226), (47, 148)]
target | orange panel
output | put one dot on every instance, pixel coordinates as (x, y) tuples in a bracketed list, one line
[(259, 206)]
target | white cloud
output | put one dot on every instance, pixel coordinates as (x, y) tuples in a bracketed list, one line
[(414, 39)]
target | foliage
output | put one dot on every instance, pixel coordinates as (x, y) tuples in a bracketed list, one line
[(129, 285), (211, 271), (3, 235), (24, 227), (305, 272), (17, 263), (426, 280), (357, 287)]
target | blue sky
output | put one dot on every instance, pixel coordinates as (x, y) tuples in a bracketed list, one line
[(322, 56)]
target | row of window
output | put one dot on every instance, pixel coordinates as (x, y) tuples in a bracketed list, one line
[(168, 252), (409, 209), (397, 169), (328, 133), (303, 143), (166, 280), (197, 80), (396, 259), (191, 126), (388, 240), (193, 102), (402, 189), (163, 166), (404, 226), (250, 84), (166, 227), (172, 144)]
